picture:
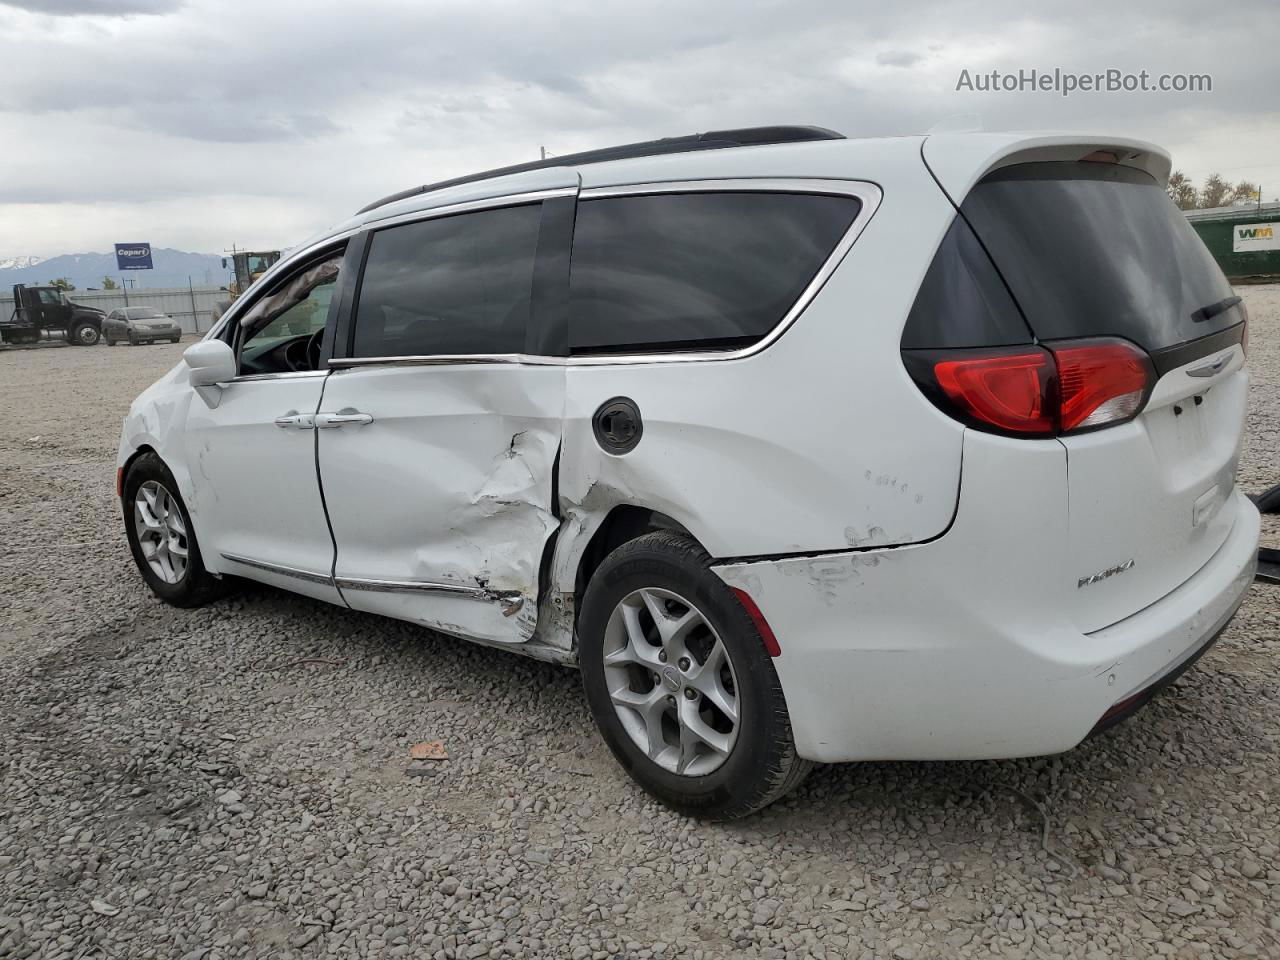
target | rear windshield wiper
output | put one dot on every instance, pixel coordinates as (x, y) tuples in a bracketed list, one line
[(1213, 309)]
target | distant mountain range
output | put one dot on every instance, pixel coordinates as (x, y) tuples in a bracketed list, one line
[(85, 270)]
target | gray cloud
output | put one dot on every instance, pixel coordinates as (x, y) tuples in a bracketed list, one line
[(898, 58), (104, 8), (321, 113)]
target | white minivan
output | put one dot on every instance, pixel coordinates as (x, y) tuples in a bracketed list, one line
[(803, 449)]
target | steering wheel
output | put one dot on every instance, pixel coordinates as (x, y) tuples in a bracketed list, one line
[(313, 349)]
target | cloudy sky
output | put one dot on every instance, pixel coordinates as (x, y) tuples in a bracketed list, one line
[(196, 124)]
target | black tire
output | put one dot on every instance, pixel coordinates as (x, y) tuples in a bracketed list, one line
[(84, 335), (110, 342), (133, 341), (175, 339), (762, 765), (197, 586), (1268, 501)]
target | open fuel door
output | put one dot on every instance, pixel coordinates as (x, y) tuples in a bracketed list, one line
[(439, 430)]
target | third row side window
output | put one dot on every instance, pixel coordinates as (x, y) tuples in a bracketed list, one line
[(684, 271)]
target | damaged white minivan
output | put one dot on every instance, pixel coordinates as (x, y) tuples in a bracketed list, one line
[(804, 449)]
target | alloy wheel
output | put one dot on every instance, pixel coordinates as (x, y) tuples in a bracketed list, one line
[(671, 681), (161, 530)]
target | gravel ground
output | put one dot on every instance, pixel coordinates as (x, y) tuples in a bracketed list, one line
[(235, 781)]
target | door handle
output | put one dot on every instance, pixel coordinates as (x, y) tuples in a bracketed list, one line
[(343, 418), (298, 421)]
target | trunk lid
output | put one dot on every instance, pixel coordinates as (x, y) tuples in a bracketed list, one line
[(1091, 249)]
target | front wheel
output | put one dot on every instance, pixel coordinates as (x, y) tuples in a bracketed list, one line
[(161, 537), (85, 334), (680, 684)]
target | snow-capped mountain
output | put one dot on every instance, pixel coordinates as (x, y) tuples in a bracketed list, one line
[(19, 263)]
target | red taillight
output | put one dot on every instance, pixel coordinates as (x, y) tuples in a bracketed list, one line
[(1038, 391), (1010, 391), (1100, 383)]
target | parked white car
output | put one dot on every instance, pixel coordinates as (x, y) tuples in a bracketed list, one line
[(804, 449)]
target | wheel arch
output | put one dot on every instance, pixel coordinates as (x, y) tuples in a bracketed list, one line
[(622, 524)]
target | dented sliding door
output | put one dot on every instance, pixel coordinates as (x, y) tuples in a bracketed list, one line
[(438, 432)]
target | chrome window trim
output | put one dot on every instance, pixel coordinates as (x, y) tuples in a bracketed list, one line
[(445, 360), (869, 194), (280, 569), (470, 206), (283, 375)]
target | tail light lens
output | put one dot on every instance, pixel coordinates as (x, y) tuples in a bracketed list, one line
[(1100, 383), (1009, 391), (1037, 391)]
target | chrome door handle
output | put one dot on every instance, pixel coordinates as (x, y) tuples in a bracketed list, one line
[(298, 421), (343, 418)]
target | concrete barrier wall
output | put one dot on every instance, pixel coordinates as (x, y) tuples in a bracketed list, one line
[(193, 309)]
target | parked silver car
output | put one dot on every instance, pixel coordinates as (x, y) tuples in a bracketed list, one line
[(139, 325)]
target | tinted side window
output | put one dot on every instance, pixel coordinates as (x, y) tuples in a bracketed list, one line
[(962, 301), (695, 270), (453, 285)]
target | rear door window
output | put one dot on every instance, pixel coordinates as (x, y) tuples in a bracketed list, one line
[(1093, 249), (460, 284), (684, 271)]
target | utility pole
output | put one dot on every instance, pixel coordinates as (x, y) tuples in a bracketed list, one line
[(195, 320), (543, 150)]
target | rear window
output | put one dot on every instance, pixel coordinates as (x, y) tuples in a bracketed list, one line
[(695, 270), (1093, 249)]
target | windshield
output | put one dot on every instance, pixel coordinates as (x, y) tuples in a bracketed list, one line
[(1090, 249), (143, 313)]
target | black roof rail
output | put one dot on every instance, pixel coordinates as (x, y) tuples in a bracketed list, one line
[(712, 140)]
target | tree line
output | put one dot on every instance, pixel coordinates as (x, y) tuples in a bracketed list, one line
[(1216, 192)]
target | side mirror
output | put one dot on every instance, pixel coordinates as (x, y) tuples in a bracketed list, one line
[(210, 362)]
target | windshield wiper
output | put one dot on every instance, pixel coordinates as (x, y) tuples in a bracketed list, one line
[(1213, 309)]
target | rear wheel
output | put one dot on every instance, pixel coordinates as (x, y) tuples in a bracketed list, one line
[(680, 684), (161, 537), (133, 341)]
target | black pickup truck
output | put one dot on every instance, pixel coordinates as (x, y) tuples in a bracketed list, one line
[(40, 309)]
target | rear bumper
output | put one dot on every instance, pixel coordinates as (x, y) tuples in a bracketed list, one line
[(963, 648)]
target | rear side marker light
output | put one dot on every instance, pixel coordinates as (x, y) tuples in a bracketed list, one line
[(1037, 391), (762, 625), (119, 481)]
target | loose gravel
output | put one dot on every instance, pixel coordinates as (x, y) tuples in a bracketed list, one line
[(235, 781)]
